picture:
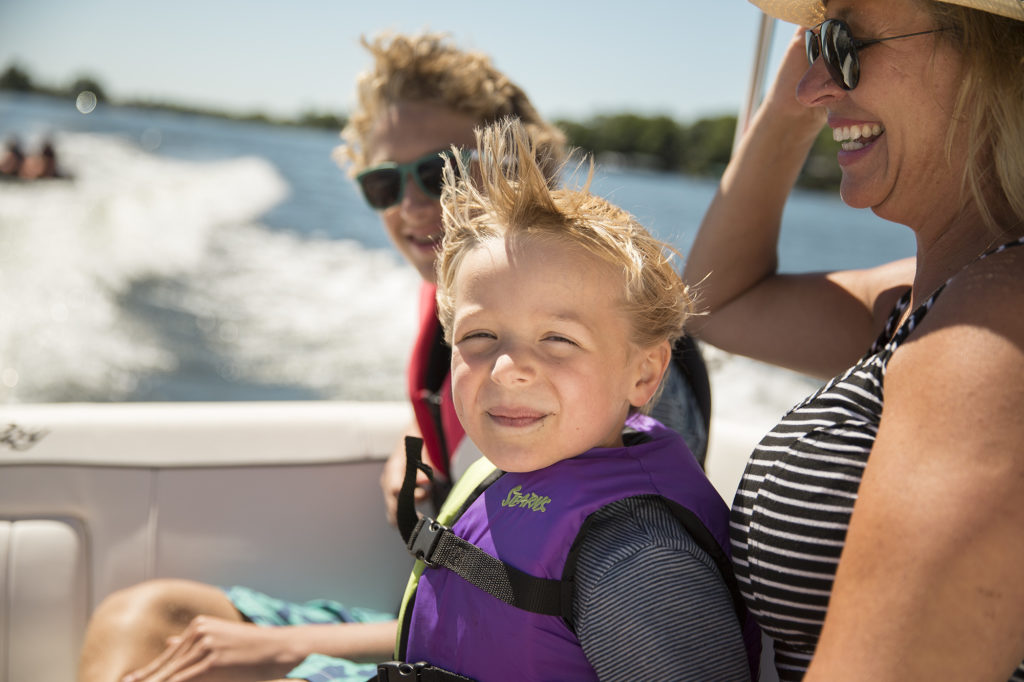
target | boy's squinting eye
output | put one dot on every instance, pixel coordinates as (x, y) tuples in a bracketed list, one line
[(470, 336), (560, 338)]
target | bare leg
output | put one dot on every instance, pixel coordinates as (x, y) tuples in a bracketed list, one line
[(130, 627)]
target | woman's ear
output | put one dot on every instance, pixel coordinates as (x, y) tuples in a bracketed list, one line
[(650, 368)]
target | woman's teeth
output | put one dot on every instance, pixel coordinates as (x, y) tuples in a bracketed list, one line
[(855, 137)]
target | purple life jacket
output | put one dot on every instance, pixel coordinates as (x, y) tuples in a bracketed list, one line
[(531, 521)]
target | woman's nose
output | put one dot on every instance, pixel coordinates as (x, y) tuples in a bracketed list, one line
[(817, 88)]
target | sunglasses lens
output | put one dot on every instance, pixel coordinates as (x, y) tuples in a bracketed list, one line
[(812, 45), (837, 46), (381, 187), (430, 175)]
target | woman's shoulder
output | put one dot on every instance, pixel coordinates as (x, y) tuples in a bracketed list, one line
[(987, 294), (966, 357)]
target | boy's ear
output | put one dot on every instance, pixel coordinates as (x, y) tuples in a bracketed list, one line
[(651, 366)]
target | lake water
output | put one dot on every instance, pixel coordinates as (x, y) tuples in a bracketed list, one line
[(194, 258)]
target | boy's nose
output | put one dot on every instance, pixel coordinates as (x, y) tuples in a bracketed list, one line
[(512, 369)]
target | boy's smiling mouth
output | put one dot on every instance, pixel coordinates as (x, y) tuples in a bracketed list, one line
[(515, 416)]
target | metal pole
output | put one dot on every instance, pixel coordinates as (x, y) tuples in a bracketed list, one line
[(765, 31)]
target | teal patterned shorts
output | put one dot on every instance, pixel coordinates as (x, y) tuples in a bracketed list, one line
[(262, 609)]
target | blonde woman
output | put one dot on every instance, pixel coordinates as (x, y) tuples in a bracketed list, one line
[(877, 529)]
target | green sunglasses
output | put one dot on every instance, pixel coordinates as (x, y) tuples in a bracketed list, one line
[(383, 185)]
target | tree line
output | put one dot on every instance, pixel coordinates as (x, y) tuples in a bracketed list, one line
[(655, 142), (16, 79), (701, 148)]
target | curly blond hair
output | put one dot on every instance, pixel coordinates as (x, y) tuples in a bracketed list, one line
[(510, 197), (426, 67)]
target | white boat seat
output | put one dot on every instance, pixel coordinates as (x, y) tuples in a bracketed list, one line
[(280, 497)]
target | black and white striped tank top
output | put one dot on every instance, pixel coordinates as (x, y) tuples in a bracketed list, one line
[(793, 505)]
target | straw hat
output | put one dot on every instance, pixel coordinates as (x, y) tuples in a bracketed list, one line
[(812, 12)]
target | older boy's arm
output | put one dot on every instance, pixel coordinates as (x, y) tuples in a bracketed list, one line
[(212, 649)]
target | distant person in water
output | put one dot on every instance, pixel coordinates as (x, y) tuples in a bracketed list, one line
[(13, 158), (42, 165)]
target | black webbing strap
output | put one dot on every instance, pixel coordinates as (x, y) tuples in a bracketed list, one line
[(406, 514), (436, 545)]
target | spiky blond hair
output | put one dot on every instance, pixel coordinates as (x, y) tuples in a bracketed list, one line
[(505, 194)]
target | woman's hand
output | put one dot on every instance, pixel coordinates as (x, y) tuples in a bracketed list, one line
[(781, 96), (216, 650)]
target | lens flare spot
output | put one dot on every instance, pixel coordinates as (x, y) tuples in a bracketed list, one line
[(86, 101)]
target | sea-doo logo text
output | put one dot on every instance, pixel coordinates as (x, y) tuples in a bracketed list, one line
[(17, 438), (531, 501)]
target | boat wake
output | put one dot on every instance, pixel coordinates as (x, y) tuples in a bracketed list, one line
[(150, 278)]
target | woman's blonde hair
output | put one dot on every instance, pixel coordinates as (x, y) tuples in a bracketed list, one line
[(990, 107), (509, 197), (427, 68)]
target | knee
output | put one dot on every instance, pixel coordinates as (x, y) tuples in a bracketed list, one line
[(131, 626), (161, 603)]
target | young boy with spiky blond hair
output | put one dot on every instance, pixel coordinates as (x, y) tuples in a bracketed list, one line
[(589, 544)]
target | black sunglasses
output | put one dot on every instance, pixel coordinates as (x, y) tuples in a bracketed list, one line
[(834, 42), (383, 185)]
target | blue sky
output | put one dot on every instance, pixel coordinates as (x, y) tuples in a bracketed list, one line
[(575, 58)]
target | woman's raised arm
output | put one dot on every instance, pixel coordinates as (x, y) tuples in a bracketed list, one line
[(816, 323)]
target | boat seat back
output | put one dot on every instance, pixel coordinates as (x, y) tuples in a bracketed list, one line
[(280, 497)]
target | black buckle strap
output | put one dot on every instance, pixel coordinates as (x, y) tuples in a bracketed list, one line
[(425, 538), (397, 671)]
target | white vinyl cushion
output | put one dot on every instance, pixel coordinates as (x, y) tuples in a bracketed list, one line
[(45, 601)]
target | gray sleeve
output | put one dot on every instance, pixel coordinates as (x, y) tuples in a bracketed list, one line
[(650, 604)]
